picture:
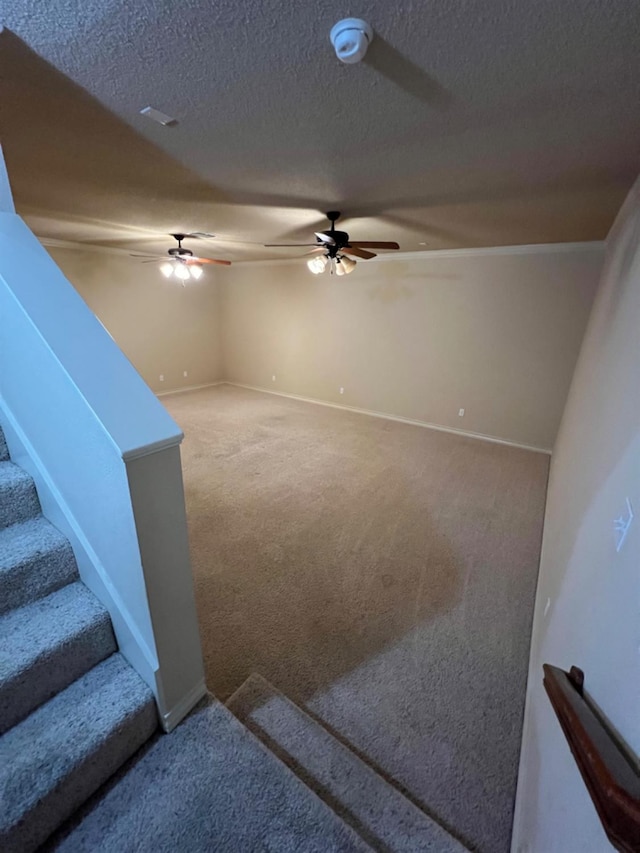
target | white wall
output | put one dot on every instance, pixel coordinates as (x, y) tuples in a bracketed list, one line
[(162, 327), (588, 602), (494, 332)]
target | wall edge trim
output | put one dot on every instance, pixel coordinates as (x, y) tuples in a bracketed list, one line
[(477, 251), (189, 388), (422, 254), (175, 715), (386, 416)]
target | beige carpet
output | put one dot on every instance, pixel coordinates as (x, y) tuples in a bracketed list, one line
[(380, 574)]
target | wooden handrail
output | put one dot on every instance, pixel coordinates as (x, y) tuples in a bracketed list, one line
[(613, 783)]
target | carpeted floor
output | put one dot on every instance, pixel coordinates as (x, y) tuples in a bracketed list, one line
[(380, 574)]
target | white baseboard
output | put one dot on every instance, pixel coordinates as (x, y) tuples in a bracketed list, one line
[(171, 719), (190, 388), (425, 424)]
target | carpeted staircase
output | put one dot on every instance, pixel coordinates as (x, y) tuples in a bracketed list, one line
[(71, 709), (263, 778), (259, 774), (380, 814)]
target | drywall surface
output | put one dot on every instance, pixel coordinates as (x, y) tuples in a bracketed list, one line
[(163, 328), (494, 332), (587, 603)]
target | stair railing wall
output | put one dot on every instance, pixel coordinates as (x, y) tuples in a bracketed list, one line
[(105, 456)]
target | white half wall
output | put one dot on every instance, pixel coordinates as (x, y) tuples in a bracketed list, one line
[(104, 454), (587, 609), (494, 332)]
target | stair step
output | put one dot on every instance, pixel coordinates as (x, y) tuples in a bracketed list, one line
[(4, 450), (209, 785), (361, 797), (55, 759), (35, 560), (47, 645), (18, 497)]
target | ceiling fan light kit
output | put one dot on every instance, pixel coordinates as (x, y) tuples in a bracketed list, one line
[(350, 39), (182, 263), (336, 248)]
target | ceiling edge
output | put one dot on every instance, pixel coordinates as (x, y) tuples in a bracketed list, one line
[(478, 251), (431, 254)]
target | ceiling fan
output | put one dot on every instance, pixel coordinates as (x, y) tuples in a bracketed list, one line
[(334, 248), (182, 263)]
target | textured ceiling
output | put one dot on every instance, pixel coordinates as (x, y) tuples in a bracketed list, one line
[(470, 123)]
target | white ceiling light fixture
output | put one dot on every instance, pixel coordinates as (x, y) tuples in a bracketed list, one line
[(182, 272), (347, 264), (318, 265), (350, 39)]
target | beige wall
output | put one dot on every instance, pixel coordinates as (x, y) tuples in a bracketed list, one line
[(162, 327), (494, 333), (587, 607)]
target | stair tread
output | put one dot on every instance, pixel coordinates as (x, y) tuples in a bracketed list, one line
[(381, 813), (35, 560), (46, 645), (18, 497), (209, 785), (62, 752), (19, 543), (11, 474)]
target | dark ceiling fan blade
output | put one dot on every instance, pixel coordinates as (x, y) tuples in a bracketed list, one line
[(369, 244), (359, 253), (194, 260), (326, 238), (151, 257), (287, 245)]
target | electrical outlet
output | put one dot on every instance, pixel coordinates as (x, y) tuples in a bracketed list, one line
[(342, 390), (273, 378), (184, 373), (161, 377), (460, 413)]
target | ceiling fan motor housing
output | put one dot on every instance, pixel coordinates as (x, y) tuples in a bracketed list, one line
[(340, 238), (179, 252)]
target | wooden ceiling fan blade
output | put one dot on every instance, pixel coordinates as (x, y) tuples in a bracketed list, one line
[(287, 245), (195, 260), (372, 244), (359, 253)]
